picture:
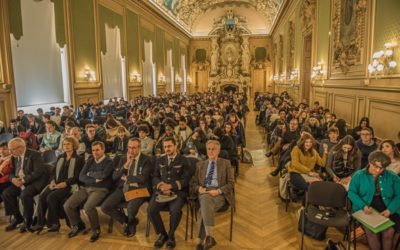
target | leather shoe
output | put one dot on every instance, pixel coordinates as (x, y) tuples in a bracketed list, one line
[(161, 241), (131, 230), (55, 228), (14, 223), (37, 228), (95, 236), (275, 172), (210, 242), (25, 228), (171, 243), (75, 231), (199, 247)]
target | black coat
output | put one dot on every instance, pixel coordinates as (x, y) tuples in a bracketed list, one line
[(35, 171)]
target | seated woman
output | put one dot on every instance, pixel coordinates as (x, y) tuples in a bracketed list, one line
[(374, 187), (120, 141), (62, 184), (389, 148), (304, 159), (196, 140), (343, 160), (315, 127), (146, 143), (333, 134), (76, 133)]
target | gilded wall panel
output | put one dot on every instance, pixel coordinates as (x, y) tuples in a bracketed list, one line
[(384, 116), (344, 107)]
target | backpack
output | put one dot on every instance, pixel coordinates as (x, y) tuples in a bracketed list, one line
[(247, 158), (283, 186), (331, 245)]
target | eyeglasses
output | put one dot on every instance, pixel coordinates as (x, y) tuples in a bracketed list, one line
[(365, 134), (376, 167)]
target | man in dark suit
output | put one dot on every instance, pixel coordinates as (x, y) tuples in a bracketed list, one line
[(214, 182), (28, 176), (133, 172), (170, 179)]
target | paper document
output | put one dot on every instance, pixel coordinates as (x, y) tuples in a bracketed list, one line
[(373, 220)]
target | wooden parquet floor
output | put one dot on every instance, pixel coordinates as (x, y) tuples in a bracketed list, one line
[(260, 221)]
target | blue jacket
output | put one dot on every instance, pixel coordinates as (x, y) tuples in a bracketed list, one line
[(362, 190)]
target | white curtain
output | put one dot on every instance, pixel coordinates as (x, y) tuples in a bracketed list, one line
[(149, 71), (184, 74), (170, 72), (36, 56), (112, 64)]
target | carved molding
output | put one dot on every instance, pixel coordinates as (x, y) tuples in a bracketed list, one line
[(349, 23), (290, 50), (307, 13)]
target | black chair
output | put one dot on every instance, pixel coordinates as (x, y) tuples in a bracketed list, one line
[(49, 157), (326, 204)]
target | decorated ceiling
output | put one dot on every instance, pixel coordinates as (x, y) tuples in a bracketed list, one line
[(196, 16)]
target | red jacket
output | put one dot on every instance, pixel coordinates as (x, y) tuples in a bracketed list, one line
[(5, 166)]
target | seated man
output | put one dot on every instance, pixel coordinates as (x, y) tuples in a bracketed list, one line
[(90, 137), (171, 178), (133, 172), (214, 182), (28, 178), (51, 139), (96, 179)]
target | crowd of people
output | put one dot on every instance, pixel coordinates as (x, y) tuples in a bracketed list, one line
[(159, 150), (312, 144)]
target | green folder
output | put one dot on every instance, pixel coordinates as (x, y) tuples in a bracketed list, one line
[(379, 228)]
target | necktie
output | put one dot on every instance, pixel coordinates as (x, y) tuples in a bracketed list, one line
[(132, 167), (19, 171), (170, 161), (210, 175)]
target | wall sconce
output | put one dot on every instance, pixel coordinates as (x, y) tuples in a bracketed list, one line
[(382, 61), (178, 79), (135, 77), (88, 74), (317, 72), (294, 76), (161, 79), (275, 78), (282, 78)]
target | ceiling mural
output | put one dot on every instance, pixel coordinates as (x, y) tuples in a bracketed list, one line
[(189, 12)]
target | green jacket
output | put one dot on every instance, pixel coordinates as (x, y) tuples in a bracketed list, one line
[(362, 190)]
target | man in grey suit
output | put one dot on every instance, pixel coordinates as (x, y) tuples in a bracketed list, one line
[(214, 182)]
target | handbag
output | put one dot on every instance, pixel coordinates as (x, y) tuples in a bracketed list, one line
[(136, 193), (313, 230)]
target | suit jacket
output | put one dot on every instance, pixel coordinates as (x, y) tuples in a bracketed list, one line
[(33, 167), (143, 179), (225, 175), (177, 174)]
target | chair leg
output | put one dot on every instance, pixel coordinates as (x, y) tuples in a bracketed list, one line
[(231, 226), (354, 235), (192, 212), (148, 227), (397, 243), (110, 225), (187, 221), (302, 228)]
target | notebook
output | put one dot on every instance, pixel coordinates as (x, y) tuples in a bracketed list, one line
[(375, 221)]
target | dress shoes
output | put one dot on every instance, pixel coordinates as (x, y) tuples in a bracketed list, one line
[(25, 228), (132, 228), (37, 228), (55, 228), (95, 235), (75, 230), (171, 244), (161, 241), (275, 172), (14, 223), (209, 243), (200, 246)]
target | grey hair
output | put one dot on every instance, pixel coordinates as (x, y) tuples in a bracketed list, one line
[(215, 142), (379, 156)]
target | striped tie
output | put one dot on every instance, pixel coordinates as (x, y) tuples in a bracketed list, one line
[(210, 175)]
